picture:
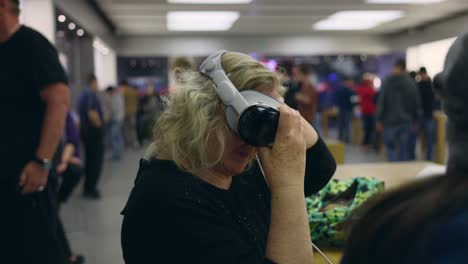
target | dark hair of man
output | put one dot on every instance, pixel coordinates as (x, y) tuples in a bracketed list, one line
[(110, 89), (16, 6), (399, 217), (304, 69), (401, 64), (91, 78), (285, 67), (423, 70)]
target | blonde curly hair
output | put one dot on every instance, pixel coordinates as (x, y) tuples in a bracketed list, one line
[(192, 131)]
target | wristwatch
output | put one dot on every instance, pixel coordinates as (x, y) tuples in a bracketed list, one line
[(44, 163)]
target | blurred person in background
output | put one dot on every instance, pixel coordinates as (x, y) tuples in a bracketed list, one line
[(70, 166), (366, 94), (130, 95), (151, 106), (427, 221), (413, 75), (427, 101), (92, 134), (398, 113), (35, 99), (291, 83), (414, 136), (306, 96), (70, 170), (344, 100), (116, 118)]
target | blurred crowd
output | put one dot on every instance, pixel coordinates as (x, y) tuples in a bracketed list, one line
[(111, 120), (396, 113)]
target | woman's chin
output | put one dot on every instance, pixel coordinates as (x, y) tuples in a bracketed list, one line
[(238, 167)]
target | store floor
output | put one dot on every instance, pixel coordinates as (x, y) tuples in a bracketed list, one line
[(94, 226)]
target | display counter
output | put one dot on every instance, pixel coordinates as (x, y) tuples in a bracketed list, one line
[(393, 174)]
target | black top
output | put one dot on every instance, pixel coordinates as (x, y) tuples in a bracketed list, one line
[(28, 64), (344, 97), (173, 217), (427, 98), (399, 101)]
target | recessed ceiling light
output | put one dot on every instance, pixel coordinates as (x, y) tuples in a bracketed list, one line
[(201, 21), (209, 1), (357, 20), (404, 1), (80, 32), (61, 18), (71, 26)]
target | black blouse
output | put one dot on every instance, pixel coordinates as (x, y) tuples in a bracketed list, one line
[(173, 217)]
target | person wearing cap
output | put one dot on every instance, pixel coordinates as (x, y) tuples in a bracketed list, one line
[(425, 222), (35, 99), (199, 197)]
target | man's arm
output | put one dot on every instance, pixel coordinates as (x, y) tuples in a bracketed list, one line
[(93, 116), (56, 97)]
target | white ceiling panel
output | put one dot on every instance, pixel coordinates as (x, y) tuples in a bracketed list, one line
[(267, 17)]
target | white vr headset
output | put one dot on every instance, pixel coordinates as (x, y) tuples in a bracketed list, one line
[(252, 115)]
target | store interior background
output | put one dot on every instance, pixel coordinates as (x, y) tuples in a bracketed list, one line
[(129, 39)]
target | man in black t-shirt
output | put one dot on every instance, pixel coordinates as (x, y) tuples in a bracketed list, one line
[(33, 106), (427, 102)]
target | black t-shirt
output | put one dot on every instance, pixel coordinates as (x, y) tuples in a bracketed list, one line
[(28, 64), (173, 217), (427, 98)]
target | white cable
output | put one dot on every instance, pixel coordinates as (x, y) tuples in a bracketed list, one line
[(261, 169), (316, 248), (323, 254)]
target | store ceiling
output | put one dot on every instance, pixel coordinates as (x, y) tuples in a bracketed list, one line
[(271, 17)]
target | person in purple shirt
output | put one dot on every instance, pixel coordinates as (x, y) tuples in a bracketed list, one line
[(92, 133), (70, 169), (425, 222), (70, 166)]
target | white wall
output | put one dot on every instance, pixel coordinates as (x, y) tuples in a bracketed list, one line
[(39, 15), (105, 64), (285, 45), (86, 17), (430, 55)]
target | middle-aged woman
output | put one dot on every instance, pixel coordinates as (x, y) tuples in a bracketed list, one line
[(200, 198), (425, 222)]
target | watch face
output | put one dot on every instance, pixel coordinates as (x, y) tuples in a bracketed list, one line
[(47, 165), (44, 163)]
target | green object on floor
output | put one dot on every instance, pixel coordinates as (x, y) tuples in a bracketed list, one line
[(330, 207)]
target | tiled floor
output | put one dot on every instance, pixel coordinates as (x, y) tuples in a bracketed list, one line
[(94, 226)]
